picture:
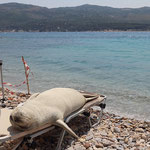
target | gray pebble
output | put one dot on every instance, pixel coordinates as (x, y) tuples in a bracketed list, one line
[(116, 129), (89, 137)]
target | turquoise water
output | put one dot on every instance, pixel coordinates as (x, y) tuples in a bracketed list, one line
[(116, 64)]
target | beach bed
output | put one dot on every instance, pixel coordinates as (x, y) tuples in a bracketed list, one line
[(7, 132)]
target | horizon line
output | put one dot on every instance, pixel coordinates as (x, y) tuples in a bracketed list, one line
[(76, 6)]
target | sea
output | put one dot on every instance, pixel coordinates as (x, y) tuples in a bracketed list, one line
[(115, 64)]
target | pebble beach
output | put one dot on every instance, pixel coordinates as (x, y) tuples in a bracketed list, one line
[(113, 133)]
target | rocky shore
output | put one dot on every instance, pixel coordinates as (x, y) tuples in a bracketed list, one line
[(113, 133)]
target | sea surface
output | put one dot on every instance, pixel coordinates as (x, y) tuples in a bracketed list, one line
[(115, 64)]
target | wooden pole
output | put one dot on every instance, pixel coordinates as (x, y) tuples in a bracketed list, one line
[(26, 76), (3, 98)]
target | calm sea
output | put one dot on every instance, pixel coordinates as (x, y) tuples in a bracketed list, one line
[(116, 64)]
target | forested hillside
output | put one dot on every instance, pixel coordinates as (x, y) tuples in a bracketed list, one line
[(17, 17)]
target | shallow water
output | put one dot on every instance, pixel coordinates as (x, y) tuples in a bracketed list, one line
[(116, 64)]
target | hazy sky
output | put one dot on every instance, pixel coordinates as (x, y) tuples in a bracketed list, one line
[(64, 3)]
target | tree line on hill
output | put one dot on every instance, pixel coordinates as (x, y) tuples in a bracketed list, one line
[(22, 17)]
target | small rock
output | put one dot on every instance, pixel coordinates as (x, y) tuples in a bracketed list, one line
[(118, 147), (86, 145), (98, 140), (141, 126), (78, 147), (139, 130), (142, 141), (9, 101), (99, 145), (90, 148), (148, 144), (10, 107), (22, 95), (133, 148), (124, 134), (81, 140), (144, 136), (118, 117), (10, 98), (135, 137), (139, 143), (89, 137), (130, 140), (3, 148), (106, 143), (103, 133), (70, 148), (114, 139), (96, 134), (3, 105), (116, 129), (119, 139)]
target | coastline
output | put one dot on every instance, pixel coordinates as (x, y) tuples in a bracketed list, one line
[(114, 132), (37, 31)]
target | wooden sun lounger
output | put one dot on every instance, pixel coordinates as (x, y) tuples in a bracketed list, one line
[(7, 132)]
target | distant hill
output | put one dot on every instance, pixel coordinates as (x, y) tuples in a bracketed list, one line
[(17, 17)]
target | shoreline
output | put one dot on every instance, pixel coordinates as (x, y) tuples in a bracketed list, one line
[(24, 94), (14, 93), (14, 31), (114, 131)]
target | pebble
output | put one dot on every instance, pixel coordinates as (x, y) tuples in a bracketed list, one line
[(89, 137), (86, 145), (3, 105), (3, 148), (118, 147), (99, 145), (22, 95), (106, 142), (78, 147), (124, 134), (81, 140), (144, 137), (117, 130), (126, 140), (139, 130), (110, 134), (98, 139), (70, 148), (103, 133)]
